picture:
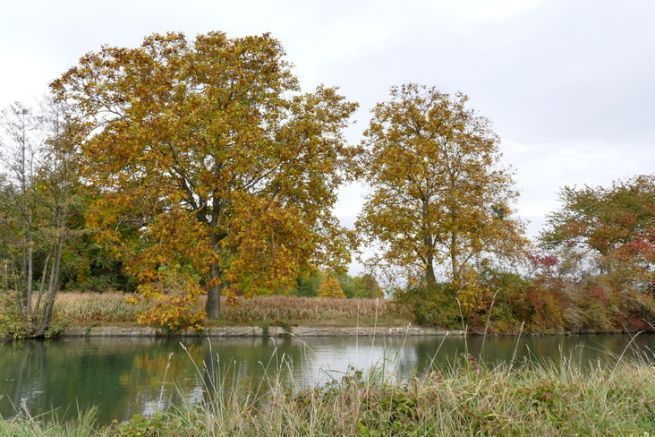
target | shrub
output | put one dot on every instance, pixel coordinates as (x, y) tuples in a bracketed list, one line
[(432, 306), (12, 321), (172, 300)]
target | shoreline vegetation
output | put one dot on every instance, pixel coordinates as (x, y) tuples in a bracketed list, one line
[(112, 314), (291, 315), (466, 399), (89, 309)]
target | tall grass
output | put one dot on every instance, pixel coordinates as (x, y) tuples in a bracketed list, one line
[(469, 399), (24, 425), (108, 308)]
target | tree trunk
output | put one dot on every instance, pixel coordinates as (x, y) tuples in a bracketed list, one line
[(428, 242), (430, 277), (53, 286), (213, 305), (453, 257), (37, 305), (30, 279)]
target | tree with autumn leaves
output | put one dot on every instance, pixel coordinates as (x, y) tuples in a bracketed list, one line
[(331, 288), (440, 201), (608, 230), (212, 168)]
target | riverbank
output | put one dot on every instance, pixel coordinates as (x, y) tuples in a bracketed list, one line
[(290, 331), (113, 315), (257, 331), (554, 399)]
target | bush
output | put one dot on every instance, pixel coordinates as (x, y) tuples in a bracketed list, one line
[(432, 306), (172, 300), (507, 308), (12, 321)]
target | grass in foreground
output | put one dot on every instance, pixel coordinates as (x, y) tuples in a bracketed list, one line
[(112, 308), (533, 400)]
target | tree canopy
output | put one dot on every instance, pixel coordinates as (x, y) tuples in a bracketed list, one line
[(612, 227), (210, 161), (439, 194)]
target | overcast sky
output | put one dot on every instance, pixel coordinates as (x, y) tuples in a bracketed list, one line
[(569, 85)]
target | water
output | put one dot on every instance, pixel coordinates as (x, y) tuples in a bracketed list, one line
[(128, 376)]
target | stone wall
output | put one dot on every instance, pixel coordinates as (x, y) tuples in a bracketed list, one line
[(255, 331)]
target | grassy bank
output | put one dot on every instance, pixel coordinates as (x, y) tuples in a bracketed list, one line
[(113, 309), (558, 399)]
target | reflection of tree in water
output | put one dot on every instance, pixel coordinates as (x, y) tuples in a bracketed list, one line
[(248, 367), (442, 353), (125, 376), (47, 376)]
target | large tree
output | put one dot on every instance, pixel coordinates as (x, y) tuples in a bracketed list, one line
[(210, 161), (439, 194)]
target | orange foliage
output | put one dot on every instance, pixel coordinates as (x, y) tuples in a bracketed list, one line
[(206, 155), (330, 288)]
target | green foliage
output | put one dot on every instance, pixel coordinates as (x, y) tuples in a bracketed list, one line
[(140, 426), (13, 322), (361, 286), (358, 286), (433, 306), (307, 284), (87, 266), (507, 308)]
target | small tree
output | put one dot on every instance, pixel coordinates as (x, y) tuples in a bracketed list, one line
[(368, 286), (610, 229), (330, 288), (41, 192)]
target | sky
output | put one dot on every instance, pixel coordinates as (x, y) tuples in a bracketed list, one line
[(569, 85)]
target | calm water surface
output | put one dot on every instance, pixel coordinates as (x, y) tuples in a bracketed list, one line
[(128, 376)]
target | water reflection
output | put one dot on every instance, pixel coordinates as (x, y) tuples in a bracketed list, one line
[(127, 376)]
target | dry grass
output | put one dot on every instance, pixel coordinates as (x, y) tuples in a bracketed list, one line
[(314, 309), (112, 308), (88, 308)]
